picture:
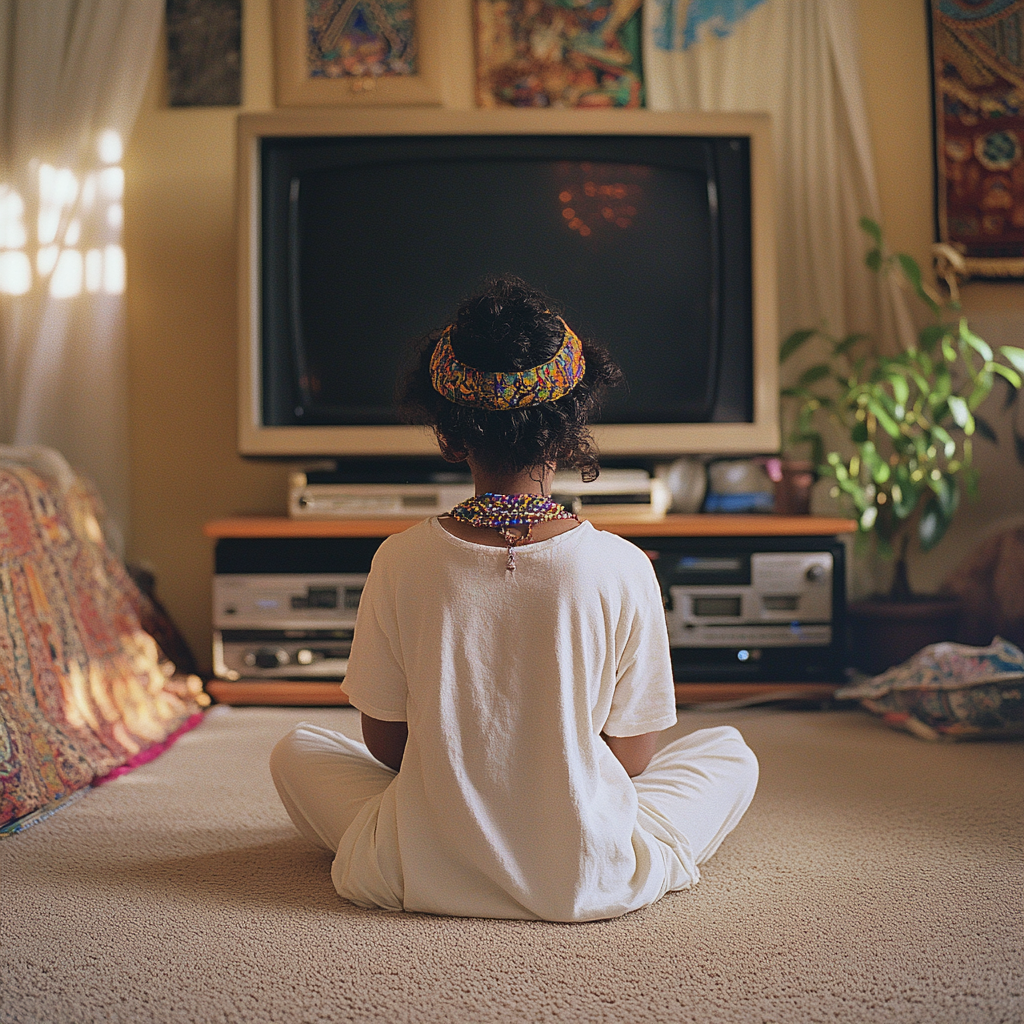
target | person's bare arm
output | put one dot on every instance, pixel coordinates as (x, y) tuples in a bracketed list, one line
[(385, 740), (634, 753)]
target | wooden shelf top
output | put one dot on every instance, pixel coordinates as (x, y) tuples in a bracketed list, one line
[(670, 526), (311, 693)]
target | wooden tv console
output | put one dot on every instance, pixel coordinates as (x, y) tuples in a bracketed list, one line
[(317, 693)]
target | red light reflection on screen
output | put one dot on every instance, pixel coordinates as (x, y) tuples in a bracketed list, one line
[(600, 196)]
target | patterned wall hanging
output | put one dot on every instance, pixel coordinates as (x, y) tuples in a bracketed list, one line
[(544, 53), (978, 89)]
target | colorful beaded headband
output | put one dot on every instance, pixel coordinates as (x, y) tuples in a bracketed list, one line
[(466, 385)]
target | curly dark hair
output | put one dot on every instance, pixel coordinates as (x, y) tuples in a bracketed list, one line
[(510, 326)]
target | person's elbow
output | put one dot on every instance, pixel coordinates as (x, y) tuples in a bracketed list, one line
[(634, 753), (385, 740)]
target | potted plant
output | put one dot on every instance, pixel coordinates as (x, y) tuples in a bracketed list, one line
[(895, 432)]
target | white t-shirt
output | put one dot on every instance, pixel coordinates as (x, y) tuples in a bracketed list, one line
[(509, 803)]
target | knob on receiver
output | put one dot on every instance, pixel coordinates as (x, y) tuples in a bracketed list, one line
[(266, 657)]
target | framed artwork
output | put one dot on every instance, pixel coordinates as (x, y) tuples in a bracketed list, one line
[(978, 89), (545, 53), (204, 53), (362, 52)]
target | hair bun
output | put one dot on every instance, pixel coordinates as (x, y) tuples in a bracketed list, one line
[(509, 326)]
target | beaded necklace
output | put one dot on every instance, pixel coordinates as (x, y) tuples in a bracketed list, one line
[(506, 512)]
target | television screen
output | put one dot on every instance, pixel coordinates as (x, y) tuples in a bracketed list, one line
[(361, 241), (382, 238)]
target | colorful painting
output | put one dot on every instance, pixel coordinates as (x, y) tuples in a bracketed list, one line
[(360, 38), (978, 66), (558, 53)]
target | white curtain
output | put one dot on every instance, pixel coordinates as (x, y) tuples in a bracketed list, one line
[(798, 60), (72, 75)]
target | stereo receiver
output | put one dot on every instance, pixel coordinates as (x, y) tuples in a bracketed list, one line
[(753, 608), (274, 626), (761, 609), (285, 607)]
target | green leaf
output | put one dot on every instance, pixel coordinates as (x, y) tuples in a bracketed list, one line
[(910, 269), (848, 342), (878, 394), (905, 493), (933, 525), (959, 411), (873, 259), (900, 388), (1011, 375), (946, 493), (944, 438), (941, 388), (868, 517), (877, 466), (889, 425), (931, 335), (859, 432), (912, 272), (922, 382), (981, 347), (982, 389), (971, 482), (870, 227), (1015, 356), (795, 341), (813, 374)]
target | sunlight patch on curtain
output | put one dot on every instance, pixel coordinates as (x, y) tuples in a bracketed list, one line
[(703, 18), (76, 246)]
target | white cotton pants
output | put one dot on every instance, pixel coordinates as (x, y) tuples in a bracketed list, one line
[(698, 785)]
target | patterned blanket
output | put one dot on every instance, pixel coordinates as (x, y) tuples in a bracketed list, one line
[(85, 691)]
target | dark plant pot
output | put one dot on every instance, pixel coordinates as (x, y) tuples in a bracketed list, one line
[(793, 488), (883, 633)]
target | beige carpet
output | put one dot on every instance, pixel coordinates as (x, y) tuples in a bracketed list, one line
[(875, 878)]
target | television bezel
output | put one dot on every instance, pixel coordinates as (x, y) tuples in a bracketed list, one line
[(646, 440)]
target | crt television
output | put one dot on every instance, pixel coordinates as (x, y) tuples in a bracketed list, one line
[(362, 230)]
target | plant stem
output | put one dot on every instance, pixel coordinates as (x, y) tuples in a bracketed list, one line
[(900, 589)]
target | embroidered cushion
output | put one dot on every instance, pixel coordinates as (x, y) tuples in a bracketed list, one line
[(84, 690)]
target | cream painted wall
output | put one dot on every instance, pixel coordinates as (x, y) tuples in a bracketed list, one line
[(180, 242), (180, 246)]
